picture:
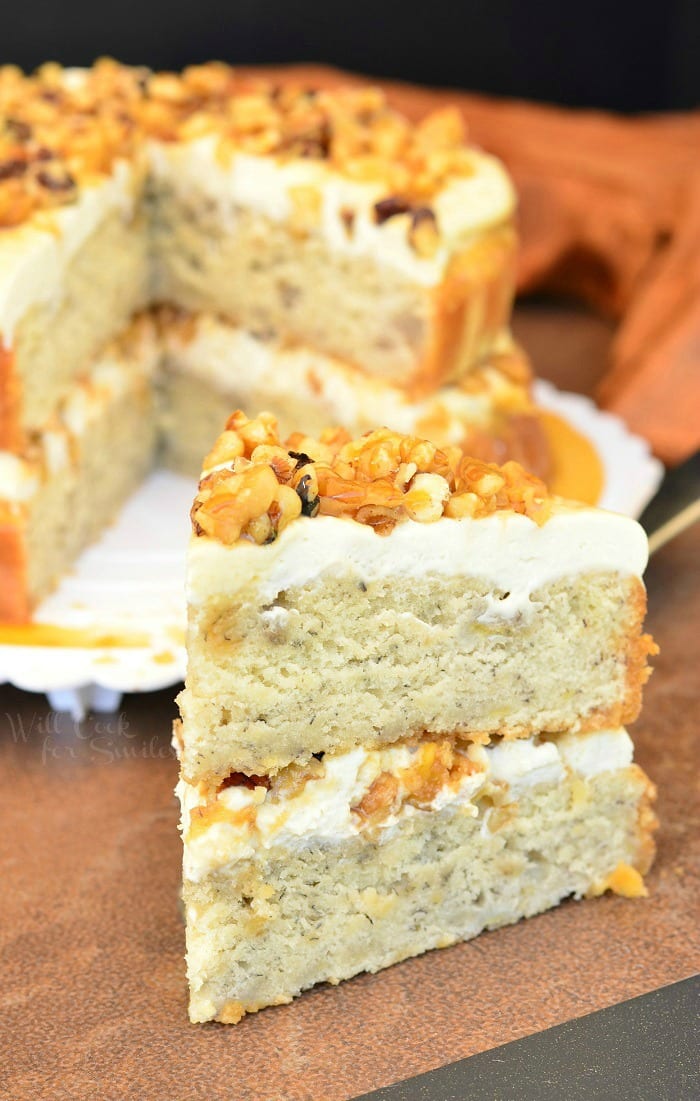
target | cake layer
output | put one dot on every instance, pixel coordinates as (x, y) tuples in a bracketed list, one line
[(57, 495), (211, 367), (471, 602), (413, 651), (298, 251), (69, 282), (373, 856)]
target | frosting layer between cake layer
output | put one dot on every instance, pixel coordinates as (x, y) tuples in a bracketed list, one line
[(506, 549), (331, 803)]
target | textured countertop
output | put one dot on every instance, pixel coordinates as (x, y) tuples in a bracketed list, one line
[(93, 996)]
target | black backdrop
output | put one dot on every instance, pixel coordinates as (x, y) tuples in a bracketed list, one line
[(630, 56)]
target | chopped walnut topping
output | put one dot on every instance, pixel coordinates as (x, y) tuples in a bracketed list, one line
[(80, 123), (254, 486)]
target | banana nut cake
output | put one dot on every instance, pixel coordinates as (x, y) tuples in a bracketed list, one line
[(403, 722)]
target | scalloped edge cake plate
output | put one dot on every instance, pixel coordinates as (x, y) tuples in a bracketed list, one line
[(126, 593)]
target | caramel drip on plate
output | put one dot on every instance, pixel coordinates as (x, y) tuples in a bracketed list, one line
[(50, 634), (576, 468)]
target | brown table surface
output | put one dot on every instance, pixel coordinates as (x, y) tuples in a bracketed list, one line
[(93, 983)]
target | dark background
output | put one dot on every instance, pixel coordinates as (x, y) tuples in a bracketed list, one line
[(599, 53)]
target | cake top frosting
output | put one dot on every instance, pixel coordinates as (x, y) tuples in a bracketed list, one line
[(61, 129), (254, 485)]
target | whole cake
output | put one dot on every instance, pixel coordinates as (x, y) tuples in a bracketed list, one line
[(403, 721), (311, 252)]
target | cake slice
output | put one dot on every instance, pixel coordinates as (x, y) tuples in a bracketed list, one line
[(211, 367), (329, 220), (402, 724), (432, 592), (59, 491), (366, 857)]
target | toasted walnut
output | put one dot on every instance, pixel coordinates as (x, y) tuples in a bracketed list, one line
[(235, 501), (426, 498), (287, 507), (259, 486), (318, 451), (261, 529), (404, 475), (83, 124), (278, 458), (442, 128), (380, 798), (461, 505), (306, 209), (228, 447)]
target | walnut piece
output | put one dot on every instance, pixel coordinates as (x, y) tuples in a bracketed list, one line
[(254, 485)]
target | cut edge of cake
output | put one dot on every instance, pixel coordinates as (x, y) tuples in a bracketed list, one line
[(210, 367), (58, 493)]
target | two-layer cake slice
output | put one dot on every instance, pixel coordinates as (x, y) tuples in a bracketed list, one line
[(403, 718)]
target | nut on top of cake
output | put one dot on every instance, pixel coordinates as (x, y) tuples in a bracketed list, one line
[(253, 486)]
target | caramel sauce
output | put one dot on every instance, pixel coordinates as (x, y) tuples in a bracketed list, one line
[(164, 657), (576, 468), (50, 634), (203, 817)]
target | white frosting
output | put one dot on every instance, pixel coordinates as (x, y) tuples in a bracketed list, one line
[(321, 810), (525, 762), (506, 550), (222, 355), (584, 753), (467, 206), (19, 480), (34, 257)]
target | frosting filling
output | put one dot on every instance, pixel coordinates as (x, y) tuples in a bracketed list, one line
[(220, 354), (35, 256), (345, 794)]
